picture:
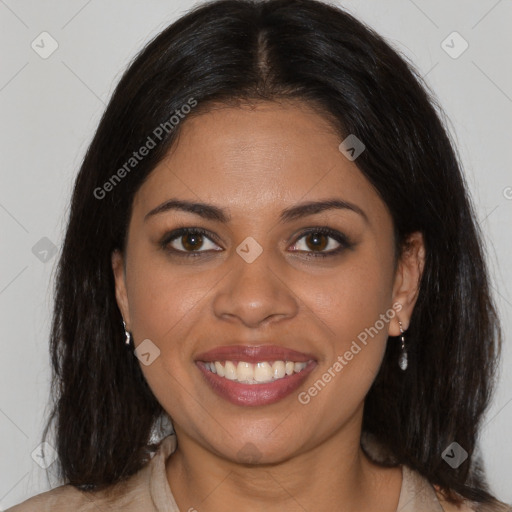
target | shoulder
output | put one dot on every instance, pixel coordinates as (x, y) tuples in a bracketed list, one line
[(131, 494), (65, 497), (451, 507), (419, 495), (468, 506)]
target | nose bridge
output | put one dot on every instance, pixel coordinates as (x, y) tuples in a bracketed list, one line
[(254, 291)]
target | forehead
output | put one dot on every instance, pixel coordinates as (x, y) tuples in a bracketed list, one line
[(257, 159)]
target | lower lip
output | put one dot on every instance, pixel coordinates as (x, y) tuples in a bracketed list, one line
[(255, 394)]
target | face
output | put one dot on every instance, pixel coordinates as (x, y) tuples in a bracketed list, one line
[(276, 296)]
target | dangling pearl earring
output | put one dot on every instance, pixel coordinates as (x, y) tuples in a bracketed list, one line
[(127, 334), (402, 359)]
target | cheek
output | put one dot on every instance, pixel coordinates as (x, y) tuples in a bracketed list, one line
[(166, 301), (352, 298), (161, 295), (354, 305), (162, 302)]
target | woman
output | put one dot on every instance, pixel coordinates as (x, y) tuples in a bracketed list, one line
[(271, 245)]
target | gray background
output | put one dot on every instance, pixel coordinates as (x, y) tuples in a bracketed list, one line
[(50, 107)]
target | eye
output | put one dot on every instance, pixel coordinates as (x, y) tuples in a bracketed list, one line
[(194, 241), (316, 241), (188, 241)]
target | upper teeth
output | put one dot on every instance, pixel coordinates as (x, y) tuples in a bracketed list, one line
[(254, 373)]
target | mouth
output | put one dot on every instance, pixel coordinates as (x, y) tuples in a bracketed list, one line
[(254, 375)]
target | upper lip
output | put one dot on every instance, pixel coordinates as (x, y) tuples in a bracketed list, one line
[(253, 354)]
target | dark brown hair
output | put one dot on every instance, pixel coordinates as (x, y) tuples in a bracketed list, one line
[(242, 50)]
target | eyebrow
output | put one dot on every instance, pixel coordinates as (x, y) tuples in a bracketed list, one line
[(211, 212)]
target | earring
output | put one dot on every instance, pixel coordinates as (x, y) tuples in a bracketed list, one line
[(127, 334), (402, 359)]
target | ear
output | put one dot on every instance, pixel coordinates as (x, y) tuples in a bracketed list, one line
[(120, 282), (407, 281)]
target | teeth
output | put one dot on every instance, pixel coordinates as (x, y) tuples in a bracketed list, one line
[(278, 369), (263, 372), (260, 372), (230, 370), (244, 371), (298, 367), (219, 368)]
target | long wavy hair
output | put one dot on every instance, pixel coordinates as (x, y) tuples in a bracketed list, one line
[(103, 412)]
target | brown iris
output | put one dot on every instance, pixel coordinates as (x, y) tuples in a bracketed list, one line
[(319, 241), (193, 241)]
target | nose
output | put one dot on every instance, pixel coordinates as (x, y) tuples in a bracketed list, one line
[(255, 293)]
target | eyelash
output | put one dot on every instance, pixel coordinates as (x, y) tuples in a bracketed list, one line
[(177, 233)]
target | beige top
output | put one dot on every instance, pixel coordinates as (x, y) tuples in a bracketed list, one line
[(149, 491)]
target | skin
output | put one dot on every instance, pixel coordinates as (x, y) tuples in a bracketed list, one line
[(255, 161)]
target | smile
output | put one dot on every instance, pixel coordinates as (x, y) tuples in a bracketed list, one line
[(260, 372), (254, 375)]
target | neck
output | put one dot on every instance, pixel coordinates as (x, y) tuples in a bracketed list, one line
[(334, 475)]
